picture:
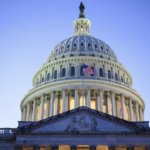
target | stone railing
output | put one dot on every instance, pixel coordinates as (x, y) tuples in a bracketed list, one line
[(6, 130)]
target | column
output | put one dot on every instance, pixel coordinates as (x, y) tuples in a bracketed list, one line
[(47, 106), (41, 107), (111, 147), (141, 114), (45, 75), (64, 100), (101, 99), (86, 26), (24, 113), (28, 111), (112, 102), (137, 111), (123, 107), (130, 108), (76, 98), (34, 109), (88, 99), (108, 104), (83, 26), (56, 103), (52, 103), (117, 107)]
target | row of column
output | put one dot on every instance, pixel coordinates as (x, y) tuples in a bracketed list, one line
[(114, 101), (81, 147), (82, 24)]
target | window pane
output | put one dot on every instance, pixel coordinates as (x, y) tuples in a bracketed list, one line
[(44, 111), (81, 70), (48, 77), (93, 105), (116, 77), (55, 74), (109, 74), (71, 105), (64, 72), (81, 101), (60, 106), (101, 72), (72, 71)]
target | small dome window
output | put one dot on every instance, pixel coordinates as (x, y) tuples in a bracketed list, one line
[(68, 46), (56, 50), (75, 44), (107, 50), (81, 44), (95, 45), (102, 47), (62, 47), (89, 45)]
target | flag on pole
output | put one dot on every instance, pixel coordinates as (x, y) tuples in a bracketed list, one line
[(87, 69)]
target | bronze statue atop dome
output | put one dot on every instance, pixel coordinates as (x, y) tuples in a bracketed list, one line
[(81, 8)]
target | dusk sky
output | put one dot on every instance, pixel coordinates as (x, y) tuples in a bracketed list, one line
[(30, 29)]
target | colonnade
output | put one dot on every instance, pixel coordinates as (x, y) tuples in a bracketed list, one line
[(110, 102)]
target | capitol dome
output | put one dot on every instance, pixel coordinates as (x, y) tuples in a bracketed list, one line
[(58, 83)]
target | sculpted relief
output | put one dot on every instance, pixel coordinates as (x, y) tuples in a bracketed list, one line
[(81, 123)]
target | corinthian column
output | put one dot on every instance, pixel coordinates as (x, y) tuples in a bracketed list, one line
[(131, 110), (34, 109), (47, 107), (76, 98), (28, 112), (101, 99), (117, 107), (64, 101), (41, 107), (112, 102), (88, 99), (137, 111), (24, 113), (123, 107), (52, 103), (141, 114)]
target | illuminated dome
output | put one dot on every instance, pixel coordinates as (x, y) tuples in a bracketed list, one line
[(57, 84)]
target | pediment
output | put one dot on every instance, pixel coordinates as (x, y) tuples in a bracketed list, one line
[(82, 119)]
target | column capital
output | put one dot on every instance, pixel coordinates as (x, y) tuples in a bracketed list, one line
[(92, 147), (73, 147), (88, 88), (112, 92), (18, 147), (76, 89), (122, 95), (130, 147), (64, 90), (52, 92), (36, 147), (43, 94), (55, 147), (111, 147)]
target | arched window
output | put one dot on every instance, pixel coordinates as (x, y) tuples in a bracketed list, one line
[(100, 72), (71, 104), (72, 71), (63, 72), (109, 74), (60, 106), (81, 71), (121, 79), (55, 74), (116, 77), (81, 101), (93, 70), (48, 77)]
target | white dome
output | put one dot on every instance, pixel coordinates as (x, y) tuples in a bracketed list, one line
[(82, 45)]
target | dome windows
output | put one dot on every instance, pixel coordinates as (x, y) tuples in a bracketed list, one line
[(63, 72), (75, 45), (68, 46), (89, 45), (72, 71), (100, 72), (55, 74), (121, 79), (116, 76), (95, 46), (109, 74), (81, 44), (62, 47), (48, 77), (101, 47)]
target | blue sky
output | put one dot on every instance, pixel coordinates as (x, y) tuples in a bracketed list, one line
[(29, 30)]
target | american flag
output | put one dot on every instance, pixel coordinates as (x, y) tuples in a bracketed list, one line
[(87, 69)]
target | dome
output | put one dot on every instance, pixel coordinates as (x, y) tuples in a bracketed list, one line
[(82, 45)]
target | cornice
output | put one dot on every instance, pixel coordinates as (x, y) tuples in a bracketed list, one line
[(80, 60), (79, 81)]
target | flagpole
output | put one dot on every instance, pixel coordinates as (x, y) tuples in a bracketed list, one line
[(82, 86)]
